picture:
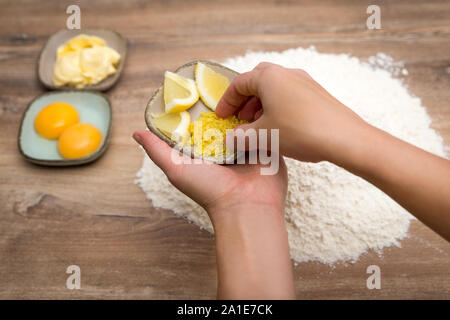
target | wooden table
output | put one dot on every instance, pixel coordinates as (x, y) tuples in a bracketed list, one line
[(95, 217)]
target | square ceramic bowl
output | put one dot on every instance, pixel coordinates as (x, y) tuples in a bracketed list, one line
[(47, 57), (92, 107), (156, 105)]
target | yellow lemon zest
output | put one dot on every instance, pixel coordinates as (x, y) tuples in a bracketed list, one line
[(211, 85), (208, 133)]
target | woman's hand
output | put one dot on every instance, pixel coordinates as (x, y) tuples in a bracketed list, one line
[(313, 125), (217, 188), (247, 212)]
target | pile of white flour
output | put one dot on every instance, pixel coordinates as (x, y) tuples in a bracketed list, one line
[(331, 215)]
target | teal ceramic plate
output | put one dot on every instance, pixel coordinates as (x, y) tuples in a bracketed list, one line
[(93, 108)]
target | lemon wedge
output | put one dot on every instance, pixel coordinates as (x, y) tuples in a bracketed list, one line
[(180, 93), (175, 126), (211, 85)]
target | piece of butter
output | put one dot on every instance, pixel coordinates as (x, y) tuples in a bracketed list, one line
[(84, 60), (78, 43), (67, 70)]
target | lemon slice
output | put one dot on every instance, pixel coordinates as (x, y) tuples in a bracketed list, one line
[(175, 126), (211, 85), (180, 93)]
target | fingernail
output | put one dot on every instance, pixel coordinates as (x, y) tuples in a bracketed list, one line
[(137, 137)]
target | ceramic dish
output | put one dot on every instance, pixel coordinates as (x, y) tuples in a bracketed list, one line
[(47, 57), (93, 108), (156, 106)]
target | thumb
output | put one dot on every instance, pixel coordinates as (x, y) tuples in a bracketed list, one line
[(159, 151)]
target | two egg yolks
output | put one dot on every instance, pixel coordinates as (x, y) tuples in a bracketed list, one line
[(59, 120)]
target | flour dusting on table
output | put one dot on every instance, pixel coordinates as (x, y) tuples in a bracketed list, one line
[(331, 215)]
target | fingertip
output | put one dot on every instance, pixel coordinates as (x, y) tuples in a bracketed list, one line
[(223, 109), (249, 109), (237, 94), (219, 113), (144, 136), (159, 151), (150, 142), (258, 114), (137, 137), (149, 139)]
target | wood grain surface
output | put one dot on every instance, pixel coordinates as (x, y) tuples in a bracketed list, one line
[(95, 217)]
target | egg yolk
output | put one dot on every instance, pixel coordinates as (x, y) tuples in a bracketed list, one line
[(53, 119), (79, 141)]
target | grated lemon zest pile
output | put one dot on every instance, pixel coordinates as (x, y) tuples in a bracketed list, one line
[(208, 133)]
